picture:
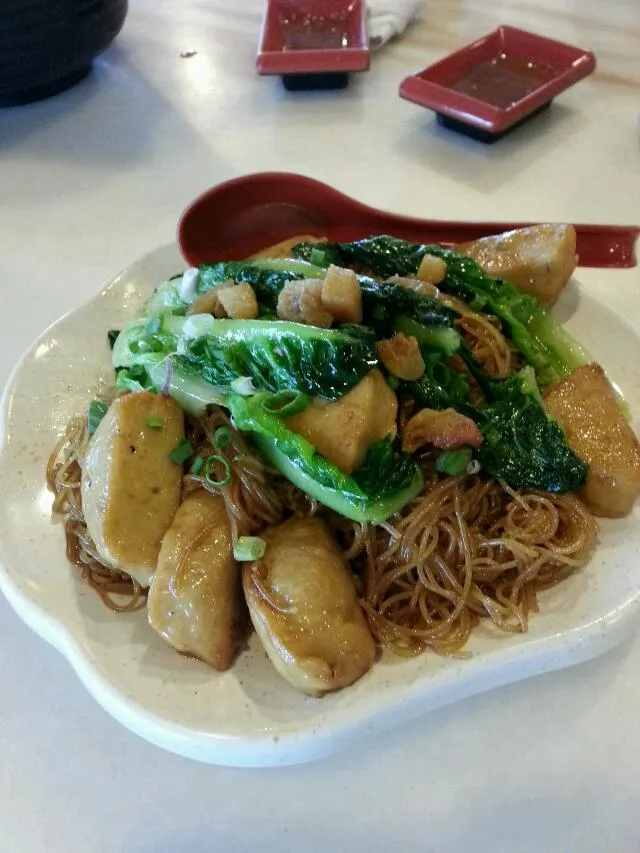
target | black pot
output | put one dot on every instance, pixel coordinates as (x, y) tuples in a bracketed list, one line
[(48, 45)]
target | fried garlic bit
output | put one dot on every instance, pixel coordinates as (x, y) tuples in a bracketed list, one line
[(402, 357), (446, 430)]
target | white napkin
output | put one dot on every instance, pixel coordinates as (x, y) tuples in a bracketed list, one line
[(389, 18)]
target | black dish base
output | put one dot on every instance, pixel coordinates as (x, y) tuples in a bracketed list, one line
[(313, 82), (46, 90), (485, 135)]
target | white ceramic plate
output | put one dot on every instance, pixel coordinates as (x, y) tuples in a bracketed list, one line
[(249, 716)]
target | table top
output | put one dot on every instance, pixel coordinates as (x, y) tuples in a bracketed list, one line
[(96, 177)]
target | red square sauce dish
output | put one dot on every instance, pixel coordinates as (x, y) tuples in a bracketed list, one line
[(492, 85), (313, 39)]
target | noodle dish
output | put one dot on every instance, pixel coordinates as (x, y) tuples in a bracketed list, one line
[(348, 449)]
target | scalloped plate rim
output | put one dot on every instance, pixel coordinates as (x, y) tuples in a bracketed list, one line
[(488, 671)]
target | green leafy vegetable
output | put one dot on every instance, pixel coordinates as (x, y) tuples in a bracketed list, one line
[(190, 391), (383, 484), (286, 403), (384, 256), (267, 276), (143, 344), (547, 347), (112, 335), (181, 452), (384, 303), (166, 298), (134, 379), (244, 386), (440, 387), (274, 355), (154, 325), (440, 338), (384, 470), (278, 355), (97, 410), (266, 370), (522, 444)]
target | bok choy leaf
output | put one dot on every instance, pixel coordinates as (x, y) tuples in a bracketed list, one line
[(384, 483), (546, 346), (274, 355)]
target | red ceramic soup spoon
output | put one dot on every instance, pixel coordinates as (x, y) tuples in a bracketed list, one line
[(239, 217)]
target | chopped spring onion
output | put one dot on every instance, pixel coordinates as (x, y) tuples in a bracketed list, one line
[(208, 468), (181, 452), (318, 257), (97, 410), (286, 403), (154, 422), (453, 462), (244, 386), (195, 469), (221, 437), (249, 548)]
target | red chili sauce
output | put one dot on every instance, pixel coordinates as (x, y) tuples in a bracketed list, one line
[(505, 79)]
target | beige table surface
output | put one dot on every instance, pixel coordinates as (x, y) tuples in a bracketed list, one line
[(96, 177)]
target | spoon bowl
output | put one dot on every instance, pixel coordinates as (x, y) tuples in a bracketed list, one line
[(239, 217)]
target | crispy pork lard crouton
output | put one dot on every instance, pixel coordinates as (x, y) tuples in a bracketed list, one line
[(239, 302), (301, 302), (341, 295), (209, 301)]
